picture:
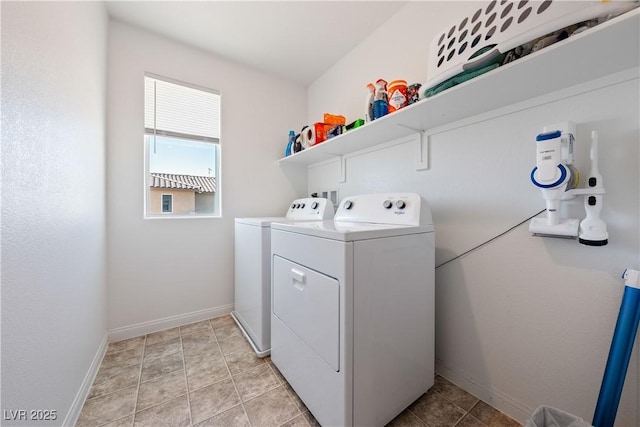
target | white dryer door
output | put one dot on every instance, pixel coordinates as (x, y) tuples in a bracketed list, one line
[(308, 303)]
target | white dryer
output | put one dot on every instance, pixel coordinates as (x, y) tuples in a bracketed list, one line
[(352, 327), (252, 283)]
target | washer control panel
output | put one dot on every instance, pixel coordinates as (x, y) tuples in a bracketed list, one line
[(310, 209), (383, 208)]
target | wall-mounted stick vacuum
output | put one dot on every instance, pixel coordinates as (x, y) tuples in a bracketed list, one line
[(557, 178)]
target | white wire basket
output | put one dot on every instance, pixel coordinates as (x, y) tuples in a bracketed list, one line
[(497, 26)]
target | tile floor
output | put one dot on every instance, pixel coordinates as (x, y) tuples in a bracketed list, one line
[(206, 374)]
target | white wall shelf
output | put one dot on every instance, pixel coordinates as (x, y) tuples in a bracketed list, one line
[(609, 48)]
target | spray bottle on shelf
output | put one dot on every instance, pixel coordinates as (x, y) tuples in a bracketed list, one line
[(380, 100), (368, 112)]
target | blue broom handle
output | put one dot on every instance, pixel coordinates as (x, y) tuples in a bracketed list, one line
[(620, 352)]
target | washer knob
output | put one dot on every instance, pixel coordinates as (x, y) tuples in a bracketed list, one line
[(293, 206), (314, 205), (302, 206), (348, 204), (400, 204), (387, 204)]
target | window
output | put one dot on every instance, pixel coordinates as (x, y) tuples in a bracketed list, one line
[(167, 201), (182, 146)]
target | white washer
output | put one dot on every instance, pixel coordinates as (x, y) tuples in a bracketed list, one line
[(352, 327), (252, 283)]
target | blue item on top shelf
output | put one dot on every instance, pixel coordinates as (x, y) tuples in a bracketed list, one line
[(292, 138)]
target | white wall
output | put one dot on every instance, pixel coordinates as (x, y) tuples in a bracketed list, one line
[(53, 205), (522, 321), (164, 272)]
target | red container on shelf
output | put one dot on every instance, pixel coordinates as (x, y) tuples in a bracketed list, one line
[(397, 90)]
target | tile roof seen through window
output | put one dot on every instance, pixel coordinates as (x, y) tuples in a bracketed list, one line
[(201, 184)]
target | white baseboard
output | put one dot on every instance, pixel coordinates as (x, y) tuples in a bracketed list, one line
[(132, 331), (83, 392), (499, 400)]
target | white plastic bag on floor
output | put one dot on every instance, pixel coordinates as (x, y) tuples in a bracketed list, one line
[(547, 416)]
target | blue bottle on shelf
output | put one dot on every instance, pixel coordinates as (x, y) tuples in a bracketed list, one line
[(380, 100), (292, 138)]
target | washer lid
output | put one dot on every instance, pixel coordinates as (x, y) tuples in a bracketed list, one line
[(349, 231), (260, 222)]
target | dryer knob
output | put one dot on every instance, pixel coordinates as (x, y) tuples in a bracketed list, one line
[(302, 206), (387, 204), (293, 206), (400, 204), (314, 205), (348, 204)]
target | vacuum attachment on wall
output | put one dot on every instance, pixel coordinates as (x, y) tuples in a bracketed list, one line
[(557, 179), (593, 230)]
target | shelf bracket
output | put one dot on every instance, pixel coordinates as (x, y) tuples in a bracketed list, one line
[(343, 169), (422, 158)]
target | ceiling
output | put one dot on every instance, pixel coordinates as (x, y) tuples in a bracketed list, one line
[(297, 40)]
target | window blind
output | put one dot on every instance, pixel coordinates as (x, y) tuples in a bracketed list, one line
[(180, 110)]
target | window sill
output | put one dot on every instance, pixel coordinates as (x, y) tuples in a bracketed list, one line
[(175, 216)]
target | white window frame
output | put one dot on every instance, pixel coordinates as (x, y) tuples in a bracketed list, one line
[(151, 132)]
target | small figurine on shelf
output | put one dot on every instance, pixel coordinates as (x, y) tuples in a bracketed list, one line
[(413, 93), (297, 145)]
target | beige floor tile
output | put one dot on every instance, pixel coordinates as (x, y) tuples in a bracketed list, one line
[(167, 334), (221, 321), (407, 419), (235, 344), (435, 410), (454, 393), (122, 422), (195, 328), (116, 379), (157, 367), (161, 389), (130, 344), (162, 348), (502, 420), (311, 419), (295, 398), (108, 408), (240, 362), (255, 382), (470, 421), (201, 343), (204, 370), (235, 417), (227, 331), (271, 408), (123, 358), (213, 400), (276, 371), (174, 413), (299, 421), (491, 416)]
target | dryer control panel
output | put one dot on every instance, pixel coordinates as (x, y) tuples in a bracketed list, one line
[(383, 208), (310, 209)]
